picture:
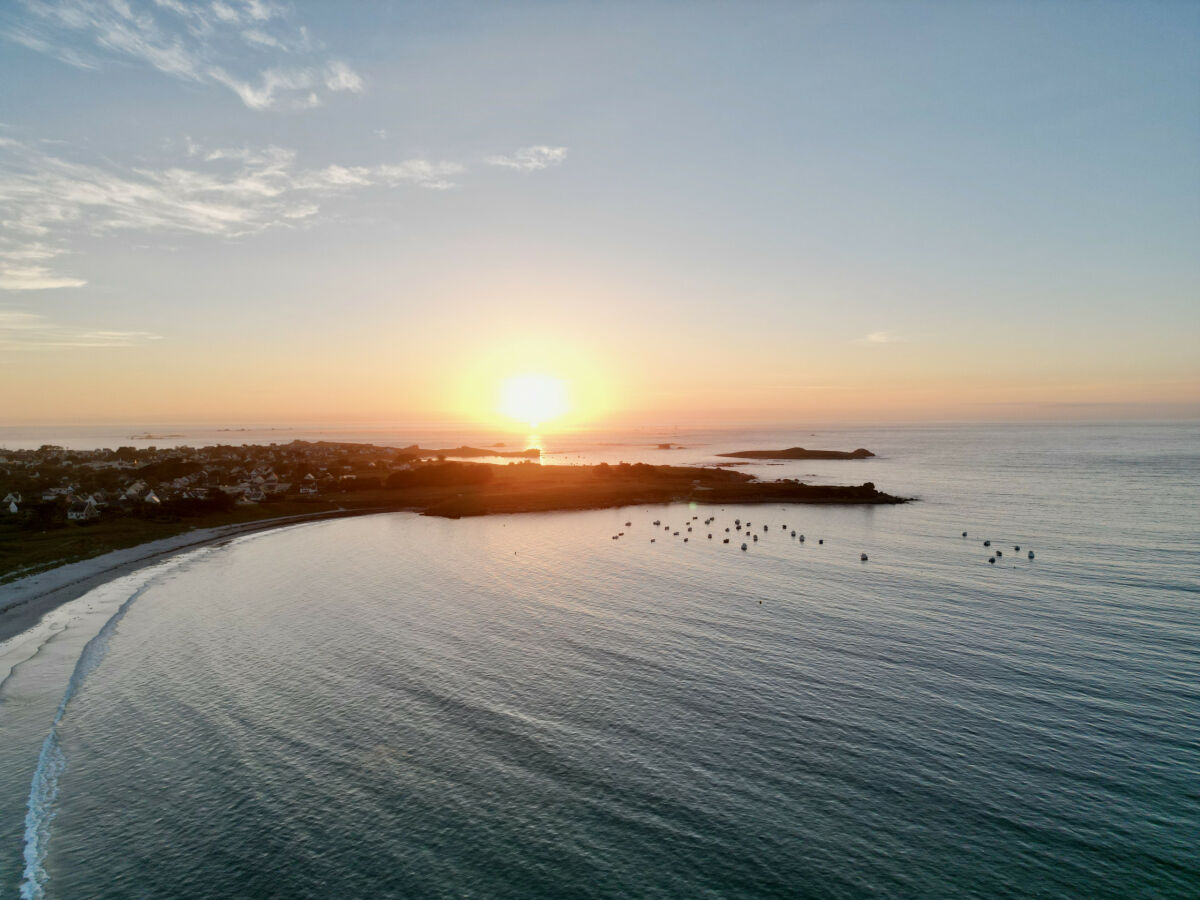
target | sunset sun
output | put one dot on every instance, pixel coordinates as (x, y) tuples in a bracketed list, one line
[(533, 399)]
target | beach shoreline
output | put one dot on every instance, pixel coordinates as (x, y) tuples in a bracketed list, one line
[(25, 601)]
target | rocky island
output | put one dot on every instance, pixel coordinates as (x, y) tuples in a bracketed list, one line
[(800, 453)]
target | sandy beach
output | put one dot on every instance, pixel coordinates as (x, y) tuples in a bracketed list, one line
[(25, 601)]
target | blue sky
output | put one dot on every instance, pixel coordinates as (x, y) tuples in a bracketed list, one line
[(903, 210)]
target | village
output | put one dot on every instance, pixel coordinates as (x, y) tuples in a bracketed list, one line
[(53, 486)]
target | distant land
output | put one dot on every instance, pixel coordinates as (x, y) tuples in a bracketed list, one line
[(471, 452), (800, 453)]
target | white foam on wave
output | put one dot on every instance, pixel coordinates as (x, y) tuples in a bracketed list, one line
[(52, 761)]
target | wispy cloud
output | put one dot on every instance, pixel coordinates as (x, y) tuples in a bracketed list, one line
[(881, 337), (247, 46), (530, 159), (33, 278), (20, 330), (226, 192), (21, 268)]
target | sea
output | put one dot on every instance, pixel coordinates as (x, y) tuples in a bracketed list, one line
[(589, 704)]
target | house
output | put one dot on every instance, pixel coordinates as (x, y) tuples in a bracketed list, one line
[(308, 488), (82, 511)]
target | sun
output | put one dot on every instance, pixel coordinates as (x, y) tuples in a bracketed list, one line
[(533, 398)]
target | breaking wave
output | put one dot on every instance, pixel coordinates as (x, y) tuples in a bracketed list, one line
[(52, 762)]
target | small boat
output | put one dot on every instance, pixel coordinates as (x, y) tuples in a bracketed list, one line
[(800, 539), (863, 557), (987, 543), (992, 560), (1031, 554), (964, 534), (743, 546)]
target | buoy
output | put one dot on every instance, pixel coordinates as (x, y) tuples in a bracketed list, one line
[(964, 534), (1017, 548), (710, 537), (863, 557), (743, 546), (727, 531), (801, 538), (987, 543), (756, 538), (1031, 554), (820, 540), (793, 534), (766, 527), (992, 560), (685, 540), (999, 552)]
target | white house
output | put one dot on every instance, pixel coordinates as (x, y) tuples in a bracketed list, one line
[(83, 511)]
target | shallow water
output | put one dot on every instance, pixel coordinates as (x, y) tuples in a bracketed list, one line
[(521, 706)]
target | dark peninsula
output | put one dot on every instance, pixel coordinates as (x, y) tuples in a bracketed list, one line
[(800, 453)]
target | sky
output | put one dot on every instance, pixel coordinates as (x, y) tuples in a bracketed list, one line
[(249, 211)]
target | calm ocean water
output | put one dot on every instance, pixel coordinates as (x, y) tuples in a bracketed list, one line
[(520, 706)]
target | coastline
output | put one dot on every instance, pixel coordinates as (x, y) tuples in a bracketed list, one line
[(516, 489), (25, 601)]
